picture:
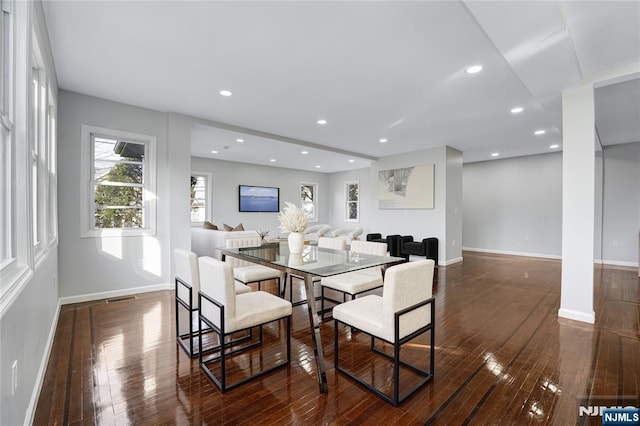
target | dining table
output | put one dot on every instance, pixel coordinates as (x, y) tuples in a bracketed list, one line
[(312, 262)]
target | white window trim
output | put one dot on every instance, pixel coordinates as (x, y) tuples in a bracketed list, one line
[(150, 190), (347, 201), (314, 217), (209, 193)]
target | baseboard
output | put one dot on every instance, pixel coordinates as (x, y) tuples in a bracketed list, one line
[(513, 253), (452, 261), (114, 293), (577, 315), (615, 263), (31, 408)]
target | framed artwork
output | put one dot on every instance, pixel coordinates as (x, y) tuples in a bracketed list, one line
[(406, 188), (309, 199), (352, 201)]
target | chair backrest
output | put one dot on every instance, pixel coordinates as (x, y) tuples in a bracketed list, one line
[(369, 247), (405, 285), (186, 263), (332, 243), (217, 282), (231, 241)]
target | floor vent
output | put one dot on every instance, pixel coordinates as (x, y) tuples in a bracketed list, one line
[(120, 299)]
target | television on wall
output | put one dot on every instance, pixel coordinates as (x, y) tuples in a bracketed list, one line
[(259, 199)]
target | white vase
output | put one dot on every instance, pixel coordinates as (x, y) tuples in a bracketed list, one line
[(296, 242)]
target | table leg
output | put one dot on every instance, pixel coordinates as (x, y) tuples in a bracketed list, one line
[(314, 324)]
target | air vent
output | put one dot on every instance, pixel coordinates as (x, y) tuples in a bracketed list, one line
[(121, 299)]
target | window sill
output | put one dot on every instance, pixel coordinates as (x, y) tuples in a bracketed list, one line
[(109, 233)]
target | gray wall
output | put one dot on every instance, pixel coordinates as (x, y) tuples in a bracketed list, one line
[(227, 175), (115, 264), (621, 200), (515, 205), (28, 321), (420, 223)]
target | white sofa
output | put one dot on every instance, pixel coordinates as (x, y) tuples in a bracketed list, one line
[(207, 242), (313, 232)]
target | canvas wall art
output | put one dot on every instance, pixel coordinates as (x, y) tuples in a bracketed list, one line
[(406, 188)]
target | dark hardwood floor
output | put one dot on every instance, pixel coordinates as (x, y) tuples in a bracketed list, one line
[(502, 357)]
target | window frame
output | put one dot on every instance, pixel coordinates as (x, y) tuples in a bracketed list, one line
[(208, 190), (88, 229), (349, 201), (313, 216), (7, 81)]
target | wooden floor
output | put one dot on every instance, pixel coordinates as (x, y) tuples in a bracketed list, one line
[(502, 357)]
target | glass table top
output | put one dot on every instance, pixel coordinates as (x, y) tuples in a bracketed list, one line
[(318, 261)]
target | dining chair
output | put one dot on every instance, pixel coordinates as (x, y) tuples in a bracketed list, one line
[(405, 311), (246, 272), (187, 285), (323, 242), (227, 313), (356, 282)]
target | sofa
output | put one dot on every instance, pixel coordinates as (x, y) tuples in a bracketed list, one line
[(207, 242)]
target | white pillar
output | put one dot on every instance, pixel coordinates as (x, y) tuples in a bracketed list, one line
[(578, 204)]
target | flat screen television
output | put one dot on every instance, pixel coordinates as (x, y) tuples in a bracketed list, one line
[(259, 199)]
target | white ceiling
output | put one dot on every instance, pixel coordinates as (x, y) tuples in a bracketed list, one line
[(393, 70)]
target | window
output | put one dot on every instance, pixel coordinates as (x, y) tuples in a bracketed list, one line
[(118, 183), (309, 199), (200, 198), (352, 199), (52, 217)]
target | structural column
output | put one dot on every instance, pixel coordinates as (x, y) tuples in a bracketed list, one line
[(578, 204)]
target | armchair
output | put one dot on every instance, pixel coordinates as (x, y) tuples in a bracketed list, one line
[(356, 282), (226, 313), (405, 311)]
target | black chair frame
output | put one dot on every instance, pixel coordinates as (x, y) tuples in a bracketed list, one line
[(181, 338), (396, 398), (222, 381)]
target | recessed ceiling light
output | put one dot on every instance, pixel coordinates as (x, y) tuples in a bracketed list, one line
[(304, 152), (322, 121), (495, 154), (554, 146), (317, 167), (383, 140), (539, 132), (226, 93), (474, 69), (240, 140), (517, 110), (214, 152), (352, 161), (273, 160)]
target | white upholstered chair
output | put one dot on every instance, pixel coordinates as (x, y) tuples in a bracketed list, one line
[(323, 242), (356, 282), (187, 286), (226, 313), (405, 311), (245, 272)]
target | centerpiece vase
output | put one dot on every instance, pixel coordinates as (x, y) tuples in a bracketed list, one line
[(296, 242)]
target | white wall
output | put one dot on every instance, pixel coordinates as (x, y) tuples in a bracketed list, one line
[(108, 266), (227, 175), (454, 206)]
